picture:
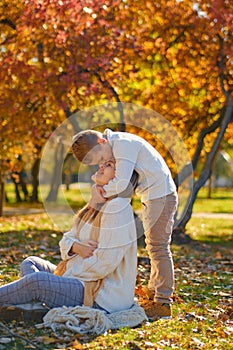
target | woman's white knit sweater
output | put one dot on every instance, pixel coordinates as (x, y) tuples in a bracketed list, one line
[(115, 259)]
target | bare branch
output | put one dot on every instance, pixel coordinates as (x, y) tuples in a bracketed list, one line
[(106, 84), (202, 136), (221, 65), (19, 336), (8, 22)]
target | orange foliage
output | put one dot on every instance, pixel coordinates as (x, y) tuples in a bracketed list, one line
[(63, 56)]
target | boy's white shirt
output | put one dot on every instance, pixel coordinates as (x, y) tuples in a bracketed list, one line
[(133, 152), (115, 259)]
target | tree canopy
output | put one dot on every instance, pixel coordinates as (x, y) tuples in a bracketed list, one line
[(57, 57)]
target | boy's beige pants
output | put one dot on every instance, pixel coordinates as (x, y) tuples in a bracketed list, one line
[(158, 219)]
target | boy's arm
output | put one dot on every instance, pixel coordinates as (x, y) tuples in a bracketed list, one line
[(99, 193), (126, 153), (124, 171)]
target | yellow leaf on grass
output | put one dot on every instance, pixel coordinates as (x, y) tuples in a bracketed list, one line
[(218, 255), (77, 345), (47, 340)]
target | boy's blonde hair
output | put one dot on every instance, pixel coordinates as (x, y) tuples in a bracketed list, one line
[(83, 142)]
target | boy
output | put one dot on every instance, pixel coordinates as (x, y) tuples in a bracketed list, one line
[(159, 199)]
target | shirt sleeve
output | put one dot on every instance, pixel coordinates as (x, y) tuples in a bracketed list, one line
[(126, 154), (114, 241), (66, 243)]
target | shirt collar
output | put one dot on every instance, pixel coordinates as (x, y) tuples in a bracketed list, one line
[(108, 134)]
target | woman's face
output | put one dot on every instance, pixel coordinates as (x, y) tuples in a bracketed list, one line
[(105, 173)]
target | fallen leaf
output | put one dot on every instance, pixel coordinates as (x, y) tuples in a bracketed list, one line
[(5, 340), (47, 340), (218, 255), (199, 343)]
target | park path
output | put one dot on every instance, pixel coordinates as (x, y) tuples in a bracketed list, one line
[(9, 211), (213, 215)]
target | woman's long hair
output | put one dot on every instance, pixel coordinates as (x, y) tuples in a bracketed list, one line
[(87, 214)]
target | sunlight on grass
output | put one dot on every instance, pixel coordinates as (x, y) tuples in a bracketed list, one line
[(202, 306), (212, 230), (203, 277), (26, 223), (220, 202)]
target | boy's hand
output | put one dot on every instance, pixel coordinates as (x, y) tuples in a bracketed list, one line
[(85, 248), (97, 195)]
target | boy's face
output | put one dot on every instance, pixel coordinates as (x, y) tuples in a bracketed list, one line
[(100, 154)]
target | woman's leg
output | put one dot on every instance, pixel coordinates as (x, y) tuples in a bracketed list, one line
[(45, 287), (35, 264)]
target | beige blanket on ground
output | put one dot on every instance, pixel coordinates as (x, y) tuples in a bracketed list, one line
[(83, 319)]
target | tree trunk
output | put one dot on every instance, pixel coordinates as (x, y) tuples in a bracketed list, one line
[(57, 172), (73, 121), (106, 84), (59, 159), (206, 171), (1, 195), (35, 181), (210, 185)]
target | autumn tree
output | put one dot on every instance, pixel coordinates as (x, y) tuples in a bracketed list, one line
[(56, 55), (172, 57), (56, 58), (185, 72)]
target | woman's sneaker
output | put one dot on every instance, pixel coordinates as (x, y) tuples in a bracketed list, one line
[(23, 312)]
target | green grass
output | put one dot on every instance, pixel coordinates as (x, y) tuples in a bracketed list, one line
[(221, 201), (76, 197), (212, 230), (202, 311), (199, 228)]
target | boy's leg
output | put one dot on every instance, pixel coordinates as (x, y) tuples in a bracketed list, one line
[(35, 264), (158, 220), (45, 287)]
